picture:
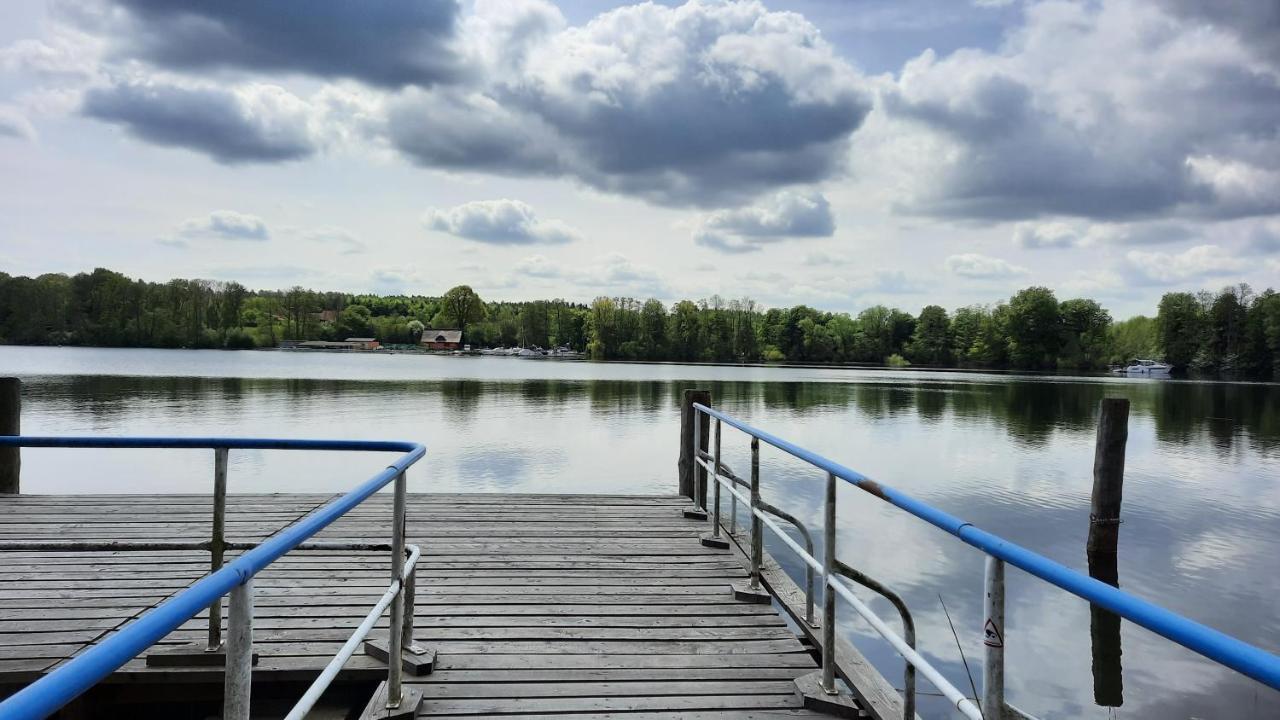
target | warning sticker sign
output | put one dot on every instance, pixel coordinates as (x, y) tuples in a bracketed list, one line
[(991, 635)]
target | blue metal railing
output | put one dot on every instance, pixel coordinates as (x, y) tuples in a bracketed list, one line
[(48, 694), (1213, 644)]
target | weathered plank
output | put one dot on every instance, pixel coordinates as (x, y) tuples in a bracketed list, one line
[(538, 605)]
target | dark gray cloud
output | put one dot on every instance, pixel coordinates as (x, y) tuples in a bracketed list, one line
[(1255, 21), (499, 222), (740, 101), (382, 42), (1033, 136), (261, 124), (470, 132)]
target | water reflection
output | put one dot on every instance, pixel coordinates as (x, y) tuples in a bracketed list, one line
[(1012, 455)]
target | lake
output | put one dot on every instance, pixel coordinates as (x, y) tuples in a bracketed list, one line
[(1011, 454)]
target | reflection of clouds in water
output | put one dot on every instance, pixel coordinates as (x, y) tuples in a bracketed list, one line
[(1011, 455), (1181, 552)]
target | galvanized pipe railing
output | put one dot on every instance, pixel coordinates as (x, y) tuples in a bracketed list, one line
[(45, 696), (727, 472), (1223, 649)]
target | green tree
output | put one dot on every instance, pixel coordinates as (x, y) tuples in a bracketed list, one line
[(653, 329), (1137, 337), (1034, 328), (1226, 330), (603, 332), (1180, 323), (1084, 334), (931, 342), (355, 321), (461, 306), (685, 335)]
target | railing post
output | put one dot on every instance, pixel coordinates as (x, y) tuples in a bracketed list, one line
[(239, 669), (10, 424), (690, 443), (993, 642), (699, 472), (757, 535), (828, 594), (217, 542), (406, 632), (395, 652), (715, 481)]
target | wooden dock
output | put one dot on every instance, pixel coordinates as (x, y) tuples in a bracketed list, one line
[(538, 605)]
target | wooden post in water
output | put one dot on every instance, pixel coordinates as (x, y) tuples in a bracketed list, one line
[(1108, 475), (689, 479), (1104, 536), (10, 424)]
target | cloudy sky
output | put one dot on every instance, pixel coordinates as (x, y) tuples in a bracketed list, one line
[(832, 152)]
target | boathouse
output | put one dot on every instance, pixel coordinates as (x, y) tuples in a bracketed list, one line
[(442, 339)]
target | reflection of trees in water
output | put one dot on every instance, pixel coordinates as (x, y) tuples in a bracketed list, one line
[(1222, 415)]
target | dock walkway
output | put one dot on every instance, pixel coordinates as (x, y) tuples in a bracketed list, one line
[(538, 605)]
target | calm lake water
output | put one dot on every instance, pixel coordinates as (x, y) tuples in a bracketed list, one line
[(1013, 455)]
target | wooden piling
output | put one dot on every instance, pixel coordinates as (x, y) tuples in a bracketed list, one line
[(1104, 536), (1108, 475), (10, 424), (688, 480)]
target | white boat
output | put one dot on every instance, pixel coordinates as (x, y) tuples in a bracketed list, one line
[(1147, 367)]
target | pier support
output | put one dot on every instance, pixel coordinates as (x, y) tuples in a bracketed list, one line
[(10, 424), (693, 478)]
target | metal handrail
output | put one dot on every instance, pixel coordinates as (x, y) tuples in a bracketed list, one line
[(728, 472), (863, 579), (1212, 644), (46, 695)]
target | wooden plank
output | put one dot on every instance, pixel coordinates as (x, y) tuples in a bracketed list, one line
[(604, 606), (432, 707)]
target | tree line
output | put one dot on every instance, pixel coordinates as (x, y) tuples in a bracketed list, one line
[(1235, 331)]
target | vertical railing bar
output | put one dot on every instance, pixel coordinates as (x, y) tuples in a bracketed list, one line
[(993, 641), (699, 473), (410, 588), (757, 539), (715, 482), (239, 663), (395, 654), (828, 593), (217, 542)]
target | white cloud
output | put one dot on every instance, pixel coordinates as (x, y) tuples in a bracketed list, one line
[(822, 259), (1046, 235), (499, 222), (1118, 131), (700, 104), (787, 214), (612, 274), (226, 224), (15, 125), (341, 238), (1196, 263), (982, 267)]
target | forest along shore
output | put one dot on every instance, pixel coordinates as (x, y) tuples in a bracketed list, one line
[(1235, 332)]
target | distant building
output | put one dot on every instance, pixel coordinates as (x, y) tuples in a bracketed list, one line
[(442, 339), (329, 316), (348, 344)]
